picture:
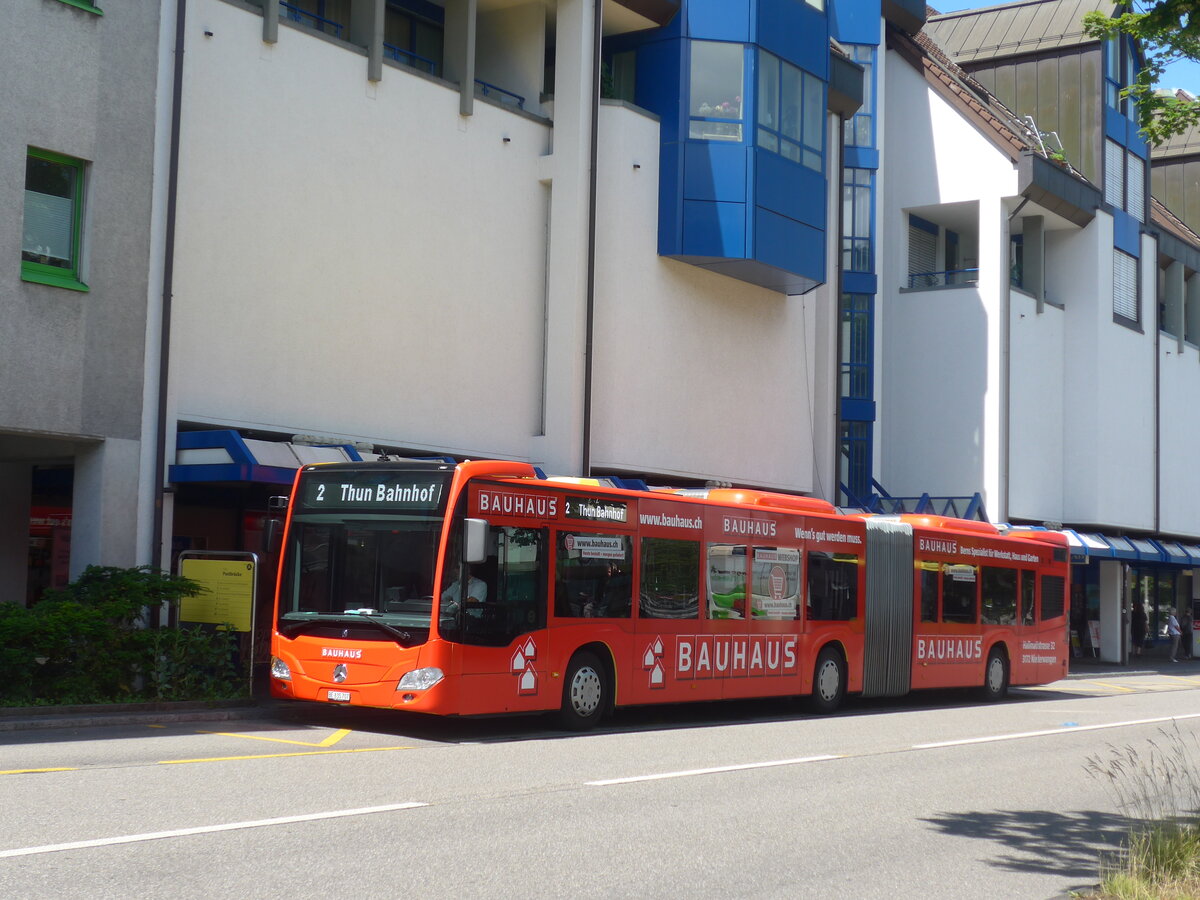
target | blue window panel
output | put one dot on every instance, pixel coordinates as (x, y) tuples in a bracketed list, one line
[(789, 189), (714, 229), (793, 30), (714, 171), (860, 158), (670, 193), (1127, 233), (860, 282), (660, 86), (787, 244), (855, 21), (1135, 142), (718, 20), (858, 410)]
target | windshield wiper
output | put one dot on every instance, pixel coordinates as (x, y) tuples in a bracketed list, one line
[(400, 635)]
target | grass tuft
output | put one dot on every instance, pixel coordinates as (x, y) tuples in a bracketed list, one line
[(1158, 789)]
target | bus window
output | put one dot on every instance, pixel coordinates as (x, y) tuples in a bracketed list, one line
[(832, 586), (1028, 609), (929, 591), (726, 581), (593, 576), (959, 603), (505, 593), (670, 587), (999, 595), (775, 583), (1053, 596)]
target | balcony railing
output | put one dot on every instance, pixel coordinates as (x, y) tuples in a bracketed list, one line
[(311, 20), (408, 58), (881, 502), (488, 89), (951, 278)]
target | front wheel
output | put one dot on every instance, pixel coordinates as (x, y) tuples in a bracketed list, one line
[(995, 676), (829, 682), (585, 693)]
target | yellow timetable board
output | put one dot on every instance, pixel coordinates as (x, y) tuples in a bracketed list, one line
[(228, 595)]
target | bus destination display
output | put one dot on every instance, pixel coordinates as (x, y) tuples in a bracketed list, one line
[(397, 491)]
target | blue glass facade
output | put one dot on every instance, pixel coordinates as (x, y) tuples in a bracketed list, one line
[(740, 86)]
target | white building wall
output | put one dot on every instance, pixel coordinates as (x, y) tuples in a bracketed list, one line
[(1109, 413), (1179, 428), (336, 269), (940, 411), (362, 262), (1037, 378), (695, 374)]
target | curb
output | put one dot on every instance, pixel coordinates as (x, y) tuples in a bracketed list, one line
[(44, 717)]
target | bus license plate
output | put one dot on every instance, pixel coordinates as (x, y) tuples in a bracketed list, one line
[(338, 696)]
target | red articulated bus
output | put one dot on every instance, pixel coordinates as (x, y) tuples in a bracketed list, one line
[(484, 588)]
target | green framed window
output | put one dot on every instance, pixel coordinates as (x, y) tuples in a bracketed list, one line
[(84, 5), (53, 220)]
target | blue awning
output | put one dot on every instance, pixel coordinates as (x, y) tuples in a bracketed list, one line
[(225, 456), (1123, 549), (1087, 546), (1174, 553), (1193, 553), (1147, 550)]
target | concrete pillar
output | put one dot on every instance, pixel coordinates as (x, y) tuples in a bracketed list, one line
[(458, 55), (1112, 611), (105, 505), (993, 283), (366, 30), (1173, 302), (1033, 242), (567, 171), (16, 488)]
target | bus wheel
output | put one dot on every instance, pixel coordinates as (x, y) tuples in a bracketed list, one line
[(995, 676), (584, 691), (829, 682)]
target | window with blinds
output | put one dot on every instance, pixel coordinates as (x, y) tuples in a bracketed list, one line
[(1135, 186), (922, 253), (1114, 174), (1125, 290)]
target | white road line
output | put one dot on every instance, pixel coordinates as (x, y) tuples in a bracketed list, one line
[(207, 829), (714, 770), (1050, 731)]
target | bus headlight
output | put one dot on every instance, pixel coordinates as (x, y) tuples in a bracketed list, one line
[(280, 669), (420, 679)]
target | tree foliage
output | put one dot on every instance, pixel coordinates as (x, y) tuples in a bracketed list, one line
[(1166, 31)]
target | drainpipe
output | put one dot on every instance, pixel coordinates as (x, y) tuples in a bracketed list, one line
[(1006, 360), (597, 23), (160, 450)]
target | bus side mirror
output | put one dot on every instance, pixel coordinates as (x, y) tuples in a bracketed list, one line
[(273, 533), (475, 543)]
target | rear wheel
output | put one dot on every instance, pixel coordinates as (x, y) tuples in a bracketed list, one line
[(585, 693), (829, 682), (995, 676)]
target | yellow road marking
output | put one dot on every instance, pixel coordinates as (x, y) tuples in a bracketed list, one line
[(1114, 687), (328, 742), (33, 771), (171, 762)]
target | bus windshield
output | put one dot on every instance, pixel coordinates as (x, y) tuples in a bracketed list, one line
[(377, 572)]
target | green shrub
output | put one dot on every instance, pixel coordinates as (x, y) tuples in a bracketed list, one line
[(93, 642)]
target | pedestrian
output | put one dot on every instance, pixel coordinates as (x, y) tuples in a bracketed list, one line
[(1137, 627), (1173, 632), (1185, 625)]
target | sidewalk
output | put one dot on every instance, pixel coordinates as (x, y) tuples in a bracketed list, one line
[(35, 717), (1092, 667)]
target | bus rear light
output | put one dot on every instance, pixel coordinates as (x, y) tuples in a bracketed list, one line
[(280, 669), (420, 679)]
